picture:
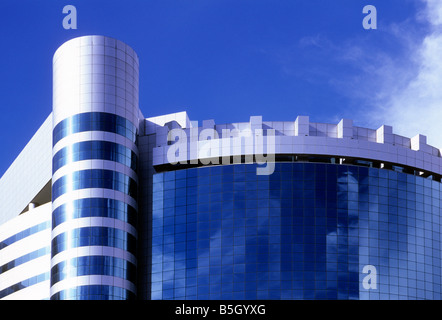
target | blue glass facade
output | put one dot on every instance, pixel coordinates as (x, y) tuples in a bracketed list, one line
[(95, 178), (94, 292), (304, 232), (95, 221), (95, 150), (95, 207), (94, 121)]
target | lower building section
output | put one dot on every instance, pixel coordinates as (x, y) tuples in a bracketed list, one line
[(308, 231), (25, 255)]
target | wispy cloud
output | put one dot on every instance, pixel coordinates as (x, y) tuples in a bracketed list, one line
[(409, 92), (392, 75)]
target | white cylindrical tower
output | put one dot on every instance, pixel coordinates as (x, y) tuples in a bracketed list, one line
[(95, 181)]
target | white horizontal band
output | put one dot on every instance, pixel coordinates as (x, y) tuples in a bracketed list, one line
[(93, 251), (94, 136), (92, 280), (94, 193), (93, 222), (94, 164)]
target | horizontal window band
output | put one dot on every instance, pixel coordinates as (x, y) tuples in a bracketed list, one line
[(94, 222), (95, 150), (25, 233), (95, 178), (25, 258), (94, 236), (100, 292), (94, 193), (282, 159), (93, 265), (94, 207), (94, 136), (24, 284), (95, 164), (95, 121), (93, 251)]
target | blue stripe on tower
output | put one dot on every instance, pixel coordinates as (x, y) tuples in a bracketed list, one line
[(95, 182)]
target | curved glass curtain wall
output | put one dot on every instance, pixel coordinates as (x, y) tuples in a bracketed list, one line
[(100, 150), (304, 232), (95, 181)]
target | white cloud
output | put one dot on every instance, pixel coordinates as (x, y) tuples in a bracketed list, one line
[(392, 75), (414, 104), (433, 12)]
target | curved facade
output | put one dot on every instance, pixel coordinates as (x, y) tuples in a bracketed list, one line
[(344, 212), (94, 180), (305, 232), (127, 207)]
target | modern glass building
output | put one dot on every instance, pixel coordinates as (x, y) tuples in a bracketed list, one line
[(104, 203), (304, 232)]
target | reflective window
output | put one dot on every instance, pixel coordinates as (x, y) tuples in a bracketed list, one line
[(95, 178), (88, 150), (94, 207), (25, 258), (305, 232), (24, 284), (94, 292), (25, 233), (93, 265), (94, 236), (95, 121)]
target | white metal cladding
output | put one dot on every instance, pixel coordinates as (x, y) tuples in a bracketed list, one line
[(94, 74), (31, 267), (28, 174), (302, 137)]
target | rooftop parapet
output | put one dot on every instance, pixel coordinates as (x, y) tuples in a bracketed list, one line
[(300, 136)]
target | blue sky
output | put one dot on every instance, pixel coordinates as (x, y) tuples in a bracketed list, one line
[(230, 59)]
